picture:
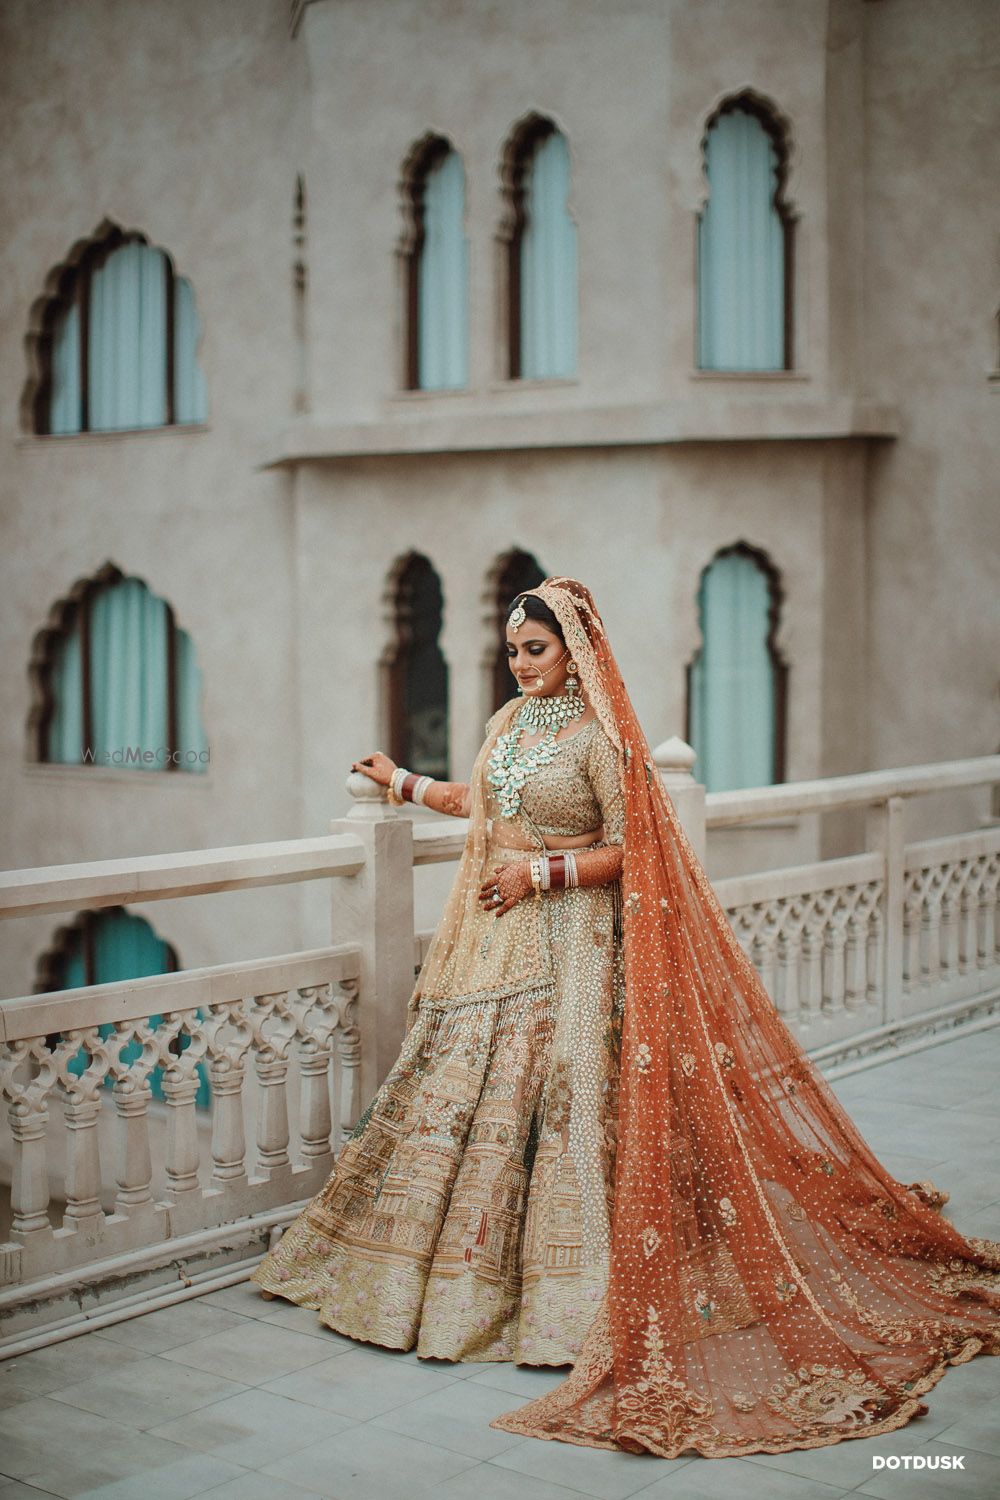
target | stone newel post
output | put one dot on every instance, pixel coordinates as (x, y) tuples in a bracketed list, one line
[(375, 910), (675, 759)]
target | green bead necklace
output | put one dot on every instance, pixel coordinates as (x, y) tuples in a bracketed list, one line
[(507, 769)]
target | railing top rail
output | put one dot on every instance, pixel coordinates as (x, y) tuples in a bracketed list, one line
[(158, 994), (438, 841), (863, 789), (157, 877)]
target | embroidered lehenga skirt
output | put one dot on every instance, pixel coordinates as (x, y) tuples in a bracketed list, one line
[(469, 1213)]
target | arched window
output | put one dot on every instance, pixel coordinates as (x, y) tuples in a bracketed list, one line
[(416, 671), (541, 254), (437, 268), (101, 948), (745, 242), (117, 346), (514, 573), (117, 681), (737, 683)]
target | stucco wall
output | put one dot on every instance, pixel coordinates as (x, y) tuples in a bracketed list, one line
[(190, 122)]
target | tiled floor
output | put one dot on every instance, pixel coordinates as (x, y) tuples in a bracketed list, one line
[(235, 1398)]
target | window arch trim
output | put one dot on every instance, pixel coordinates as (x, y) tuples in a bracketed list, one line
[(68, 285), (71, 610)]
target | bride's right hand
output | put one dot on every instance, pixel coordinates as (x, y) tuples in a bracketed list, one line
[(378, 767)]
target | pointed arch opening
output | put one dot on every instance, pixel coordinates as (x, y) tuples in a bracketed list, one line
[(745, 240), (113, 341), (540, 253), (116, 681), (435, 255), (106, 947), (415, 673), (737, 682)]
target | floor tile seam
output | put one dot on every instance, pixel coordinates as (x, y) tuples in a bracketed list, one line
[(133, 1427), (570, 1488), (169, 1355), (223, 1482), (515, 1442), (37, 1488), (328, 1406), (470, 1460)]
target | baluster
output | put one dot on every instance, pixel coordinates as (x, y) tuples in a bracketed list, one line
[(349, 1049), (912, 914), (315, 1120), (29, 1188), (833, 965), (930, 933), (855, 977), (987, 920), (349, 1054), (180, 1091), (83, 1163), (135, 1169), (786, 995), (226, 1075), (812, 974), (949, 924), (272, 1114), (876, 953), (968, 942), (764, 948)]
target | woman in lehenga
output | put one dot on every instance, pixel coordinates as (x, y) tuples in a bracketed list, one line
[(601, 1145)]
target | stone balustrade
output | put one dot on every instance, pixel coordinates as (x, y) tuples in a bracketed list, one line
[(881, 949)]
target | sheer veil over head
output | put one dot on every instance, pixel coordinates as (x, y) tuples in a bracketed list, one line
[(771, 1285)]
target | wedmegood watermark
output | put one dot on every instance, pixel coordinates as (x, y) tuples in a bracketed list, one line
[(135, 755), (918, 1461)]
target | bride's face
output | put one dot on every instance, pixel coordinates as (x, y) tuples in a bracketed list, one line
[(537, 659)]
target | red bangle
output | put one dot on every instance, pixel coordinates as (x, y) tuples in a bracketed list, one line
[(409, 782), (557, 872)]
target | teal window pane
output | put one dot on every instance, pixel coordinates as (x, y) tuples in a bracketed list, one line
[(126, 349), (443, 280), (741, 250), (548, 265), (733, 688)]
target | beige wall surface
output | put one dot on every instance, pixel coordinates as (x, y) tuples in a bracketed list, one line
[(867, 473)]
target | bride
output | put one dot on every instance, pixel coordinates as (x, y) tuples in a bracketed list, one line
[(600, 1145)]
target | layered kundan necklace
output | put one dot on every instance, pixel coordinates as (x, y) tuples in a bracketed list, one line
[(508, 768)]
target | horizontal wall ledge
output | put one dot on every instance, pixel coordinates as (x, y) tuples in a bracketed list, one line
[(704, 421)]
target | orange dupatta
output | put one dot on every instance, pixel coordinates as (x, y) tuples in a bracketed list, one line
[(771, 1285)]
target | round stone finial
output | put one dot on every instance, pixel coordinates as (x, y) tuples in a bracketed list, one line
[(363, 789)]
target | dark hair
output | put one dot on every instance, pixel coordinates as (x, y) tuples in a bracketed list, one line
[(537, 609)]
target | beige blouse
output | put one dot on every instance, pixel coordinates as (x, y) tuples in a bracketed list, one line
[(574, 793)]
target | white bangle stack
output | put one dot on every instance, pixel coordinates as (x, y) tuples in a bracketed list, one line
[(395, 787)]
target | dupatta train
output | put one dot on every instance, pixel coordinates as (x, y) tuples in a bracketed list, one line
[(771, 1285)]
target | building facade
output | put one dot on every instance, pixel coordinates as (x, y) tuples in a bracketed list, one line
[(323, 324)]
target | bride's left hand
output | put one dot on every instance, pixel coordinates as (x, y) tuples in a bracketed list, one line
[(513, 882)]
